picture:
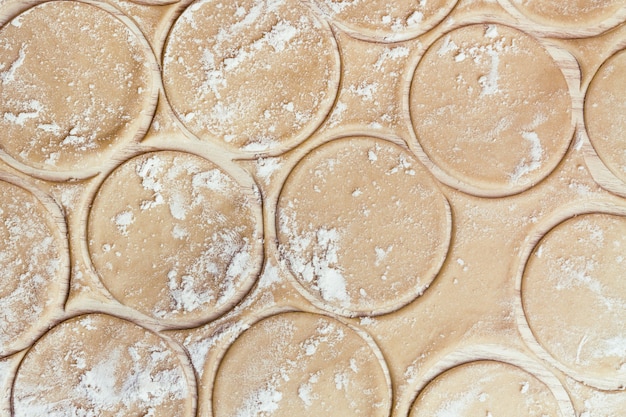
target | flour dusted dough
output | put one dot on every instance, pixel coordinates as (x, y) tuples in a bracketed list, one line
[(491, 109), (301, 364), (175, 237), (33, 268), (386, 21), (574, 296), (362, 225), (98, 365), (605, 111), (259, 76), (485, 389), (570, 13), (74, 83)]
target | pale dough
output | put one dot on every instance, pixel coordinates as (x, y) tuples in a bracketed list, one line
[(75, 83), (362, 225), (574, 296), (387, 21), (568, 14), (491, 108), (605, 111), (308, 365), (258, 76), (33, 268), (485, 389), (99, 365), (175, 237)]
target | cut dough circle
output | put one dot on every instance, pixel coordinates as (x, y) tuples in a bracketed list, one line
[(234, 71), (175, 237), (363, 226), (297, 364), (486, 388), (491, 109), (581, 263), (604, 114), (63, 114), (33, 268), (102, 365), (386, 21), (571, 14)]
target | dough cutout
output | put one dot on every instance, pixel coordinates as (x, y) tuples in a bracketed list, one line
[(362, 225), (491, 109), (175, 237), (234, 71), (297, 364)]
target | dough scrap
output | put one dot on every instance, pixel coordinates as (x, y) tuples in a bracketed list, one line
[(308, 365), (99, 365), (32, 262), (491, 108), (580, 263), (485, 388), (362, 225), (75, 83), (175, 237), (234, 71)]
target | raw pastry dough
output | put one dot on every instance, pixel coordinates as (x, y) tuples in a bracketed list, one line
[(485, 389), (98, 365), (33, 268), (574, 296), (235, 71), (75, 82), (387, 21), (491, 108), (175, 237), (308, 365), (604, 114), (362, 226), (570, 13)]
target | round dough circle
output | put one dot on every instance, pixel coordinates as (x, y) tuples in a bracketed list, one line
[(580, 263), (486, 388), (491, 109), (363, 226), (33, 268), (297, 364), (76, 82), (175, 237), (571, 14), (604, 114), (101, 365), (234, 71), (386, 21)]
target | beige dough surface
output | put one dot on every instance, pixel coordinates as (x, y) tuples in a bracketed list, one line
[(309, 365), (485, 388), (260, 208), (76, 82), (182, 224), (362, 225)]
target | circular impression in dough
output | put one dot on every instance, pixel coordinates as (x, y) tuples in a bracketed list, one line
[(486, 388), (491, 109), (75, 82), (33, 268), (604, 114), (175, 237), (301, 364), (574, 297), (258, 76), (571, 14), (363, 226), (101, 365), (387, 21)]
